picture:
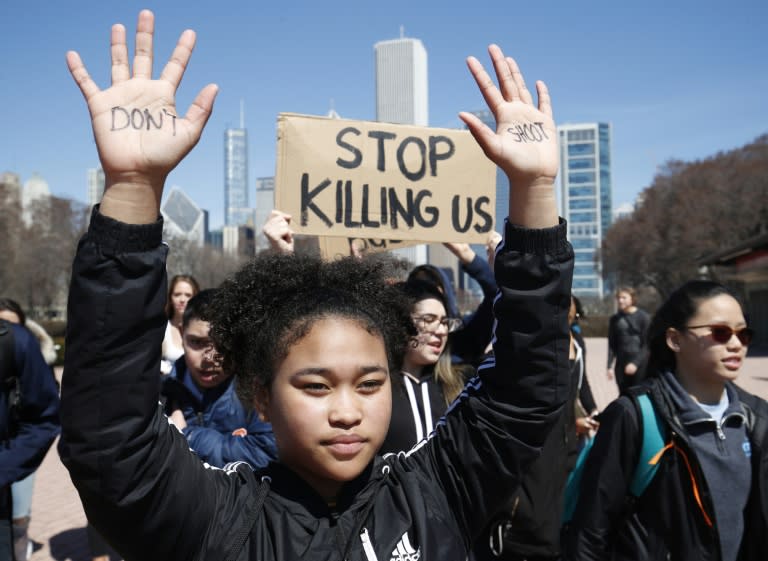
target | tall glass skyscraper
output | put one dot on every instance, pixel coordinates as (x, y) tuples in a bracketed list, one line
[(401, 82), (236, 209), (585, 182), (402, 98)]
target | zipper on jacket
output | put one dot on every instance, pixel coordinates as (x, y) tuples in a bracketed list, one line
[(339, 534), (370, 554), (676, 440), (720, 432)]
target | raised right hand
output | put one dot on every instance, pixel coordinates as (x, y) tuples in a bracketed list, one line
[(139, 136), (277, 230)]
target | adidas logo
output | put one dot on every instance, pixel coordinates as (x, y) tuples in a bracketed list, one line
[(404, 550)]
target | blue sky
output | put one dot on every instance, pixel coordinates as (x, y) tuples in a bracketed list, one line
[(676, 79)]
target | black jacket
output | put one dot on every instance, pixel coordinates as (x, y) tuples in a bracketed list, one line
[(25, 440), (667, 521), (154, 500)]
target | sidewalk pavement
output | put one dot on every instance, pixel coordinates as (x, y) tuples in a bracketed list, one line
[(58, 522)]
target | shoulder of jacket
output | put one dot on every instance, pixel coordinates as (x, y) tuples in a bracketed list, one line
[(756, 410)]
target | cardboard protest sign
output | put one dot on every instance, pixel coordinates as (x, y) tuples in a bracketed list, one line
[(362, 179), (334, 248)]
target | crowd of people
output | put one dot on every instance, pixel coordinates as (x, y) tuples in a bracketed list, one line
[(310, 409)]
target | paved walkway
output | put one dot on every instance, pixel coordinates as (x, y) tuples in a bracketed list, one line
[(58, 522)]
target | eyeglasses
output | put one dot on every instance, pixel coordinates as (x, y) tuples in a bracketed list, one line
[(723, 333), (431, 321)]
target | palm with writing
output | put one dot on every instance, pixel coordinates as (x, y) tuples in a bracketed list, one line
[(138, 136), (524, 144)]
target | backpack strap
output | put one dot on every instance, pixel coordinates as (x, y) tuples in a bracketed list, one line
[(652, 446), (573, 484), (651, 450)]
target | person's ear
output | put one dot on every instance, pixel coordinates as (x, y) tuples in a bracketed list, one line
[(261, 403), (673, 339)]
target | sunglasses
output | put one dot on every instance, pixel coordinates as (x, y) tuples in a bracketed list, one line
[(723, 333)]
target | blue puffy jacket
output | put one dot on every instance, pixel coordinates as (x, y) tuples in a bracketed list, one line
[(212, 415)]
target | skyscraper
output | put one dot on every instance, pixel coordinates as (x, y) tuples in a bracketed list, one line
[(265, 202), (183, 218), (35, 198), (585, 181), (402, 98), (95, 185), (401, 82), (236, 209)]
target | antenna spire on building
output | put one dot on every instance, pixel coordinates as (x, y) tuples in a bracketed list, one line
[(402, 31), (242, 114)]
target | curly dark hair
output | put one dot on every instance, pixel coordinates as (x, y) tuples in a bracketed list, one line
[(274, 300)]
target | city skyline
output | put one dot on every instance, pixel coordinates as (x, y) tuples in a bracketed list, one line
[(655, 74)]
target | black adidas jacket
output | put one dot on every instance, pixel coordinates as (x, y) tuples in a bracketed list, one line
[(154, 500), (674, 518)]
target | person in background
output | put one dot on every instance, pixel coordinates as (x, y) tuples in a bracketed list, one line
[(200, 398), (709, 495), (470, 339), (22, 490), (10, 310), (586, 408), (428, 381), (180, 290), (627, 351), (29, 423)]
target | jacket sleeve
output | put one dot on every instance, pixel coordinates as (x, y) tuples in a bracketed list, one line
[(38, 421), (612, 343), (470, 341), (607, 475), (218, 449), (480, 450), (141, 487)]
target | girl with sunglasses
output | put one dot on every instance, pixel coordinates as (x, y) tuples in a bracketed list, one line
[(708, 498)]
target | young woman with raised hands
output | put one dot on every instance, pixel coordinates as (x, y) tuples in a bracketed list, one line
[(313, 345)]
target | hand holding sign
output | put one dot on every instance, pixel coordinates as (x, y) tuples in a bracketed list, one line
[(139, 137), (525, 142), (277, 230)]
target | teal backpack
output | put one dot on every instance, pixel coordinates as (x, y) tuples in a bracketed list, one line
[(647, 463)]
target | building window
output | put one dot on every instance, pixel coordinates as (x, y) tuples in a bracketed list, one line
[(583, 216), (585, 284), (584, 149), (587, 203), (582, 191), (583, 243), (582, 177), (581, 163)]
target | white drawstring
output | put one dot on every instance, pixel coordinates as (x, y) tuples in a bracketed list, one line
[(415, 408), (427, 407)]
